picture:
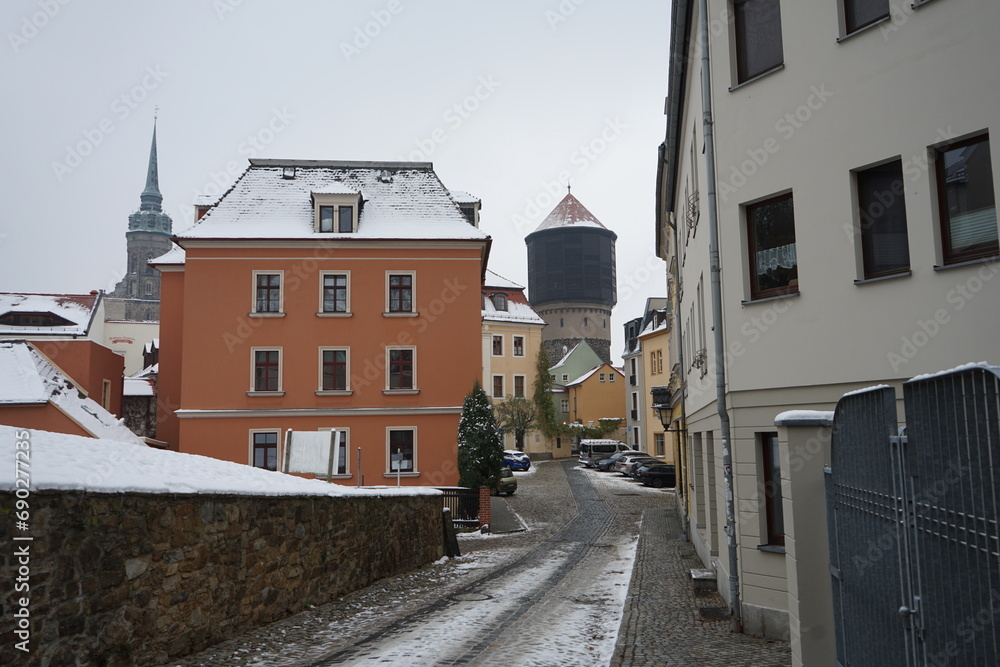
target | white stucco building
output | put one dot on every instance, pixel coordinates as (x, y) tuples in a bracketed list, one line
[(857, 231)]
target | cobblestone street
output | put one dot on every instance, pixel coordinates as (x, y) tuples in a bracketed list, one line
[(547, 596)]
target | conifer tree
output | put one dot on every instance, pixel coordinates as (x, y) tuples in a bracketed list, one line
[(546, 418), (480, 449)]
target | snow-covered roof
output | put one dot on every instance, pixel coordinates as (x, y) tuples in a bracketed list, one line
[(60, 461), (516, 312), (463, 197), (496, 281), (570, 212), (401, 200), (205, 200), (175, 255), (591, 373), (26, 377), (76, 309), (139, 387), (337, 189), (566, 356)]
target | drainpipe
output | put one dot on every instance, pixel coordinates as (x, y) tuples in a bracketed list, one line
[(718, 333)]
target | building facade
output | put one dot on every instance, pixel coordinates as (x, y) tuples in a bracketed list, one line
[(645, 345), (512, 336), (572, 278), (857, 233), (345, 296)]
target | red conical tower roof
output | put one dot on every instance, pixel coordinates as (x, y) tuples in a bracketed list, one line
[(570, 212)]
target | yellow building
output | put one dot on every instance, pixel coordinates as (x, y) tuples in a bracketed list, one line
[(655, 345), (597, 394), (512, 336)]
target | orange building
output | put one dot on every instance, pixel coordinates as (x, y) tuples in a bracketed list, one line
[(321, 295), (69, 330), (597, 394)]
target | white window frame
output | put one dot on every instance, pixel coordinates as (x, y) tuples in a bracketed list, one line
[(281, 293), (564, 405), (281, 438), (415, 471), (324, 313), (335, 201), (413, 294), (280, 391), (514, 347), (320, 391), (416, 387)]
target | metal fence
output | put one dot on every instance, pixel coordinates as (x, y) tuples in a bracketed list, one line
[(463, 503), (913, 523)]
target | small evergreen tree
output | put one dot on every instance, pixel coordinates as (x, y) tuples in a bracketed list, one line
[(480, 449), (545, 418), (516, 415)]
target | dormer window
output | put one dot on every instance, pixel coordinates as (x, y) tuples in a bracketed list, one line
[(336, 210), (500, 302)]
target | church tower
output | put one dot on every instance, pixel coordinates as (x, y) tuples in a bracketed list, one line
[(148, 236), (571, 279)]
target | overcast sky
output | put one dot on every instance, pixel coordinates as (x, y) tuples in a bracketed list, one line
[(507, 99)]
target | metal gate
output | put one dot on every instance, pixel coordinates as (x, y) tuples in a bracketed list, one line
[(914, 539)]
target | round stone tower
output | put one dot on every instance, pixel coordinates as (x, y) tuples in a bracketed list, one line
[(571, 279)]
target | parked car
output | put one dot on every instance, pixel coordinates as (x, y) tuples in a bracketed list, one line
[(592, 450), (625, 461), (609, 462), (516, 460), (506, 483), (657, 475), (638, 463)]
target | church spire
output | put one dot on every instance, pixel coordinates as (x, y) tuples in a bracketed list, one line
[(151, 198)]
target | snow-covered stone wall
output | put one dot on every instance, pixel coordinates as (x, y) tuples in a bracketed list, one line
[(137, 579)]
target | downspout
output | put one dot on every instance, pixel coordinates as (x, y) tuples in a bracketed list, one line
[(717, 329)]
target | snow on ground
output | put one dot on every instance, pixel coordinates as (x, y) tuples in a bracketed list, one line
[(70, 462)]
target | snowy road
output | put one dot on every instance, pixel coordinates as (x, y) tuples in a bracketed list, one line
[(560, 604)]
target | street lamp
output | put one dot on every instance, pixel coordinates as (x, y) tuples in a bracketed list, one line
[(661, 406)]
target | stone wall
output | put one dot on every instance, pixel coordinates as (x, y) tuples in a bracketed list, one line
[(137, 579)]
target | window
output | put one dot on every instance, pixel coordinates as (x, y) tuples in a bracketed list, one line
[(335, 293), (149, 288), (402, 450), (770, 460), (106, 394), (326, 218), (565, 377), (611, 377), (344, 215), (860, 13), (519, 386), (882, 219), (659, 361), (267, 292), (400, 293), (346, 219), (498, 346), (652, 362), (603, 376), (500, 302), (497, 386), (771, 241), (265, 449), (564, 405), (518, 346), (266, 370), (658, 444), (334, 372), (401, 368), (758, 37), (966, 200)]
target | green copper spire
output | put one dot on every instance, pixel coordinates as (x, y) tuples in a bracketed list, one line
[(151, 198)]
